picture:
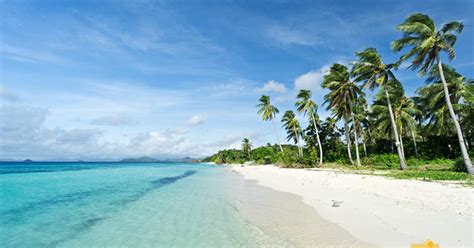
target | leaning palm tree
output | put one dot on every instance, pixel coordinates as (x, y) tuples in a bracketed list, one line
[(306, 106), (268, 112), (426, 42), (343, 94), (246, 147), (293, 129), (373, 72)]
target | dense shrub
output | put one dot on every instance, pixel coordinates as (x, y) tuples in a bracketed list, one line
[(459, 165), (382, 161)]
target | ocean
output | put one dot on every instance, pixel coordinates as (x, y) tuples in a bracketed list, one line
[(122, 205)]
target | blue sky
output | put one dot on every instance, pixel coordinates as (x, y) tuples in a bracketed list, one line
[(113, 79)]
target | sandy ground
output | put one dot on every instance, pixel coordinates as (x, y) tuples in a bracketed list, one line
[(284, 219), (377, 210)]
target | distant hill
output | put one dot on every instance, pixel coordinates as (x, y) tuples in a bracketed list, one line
[(143, 159), (182, 160), (146, 159)]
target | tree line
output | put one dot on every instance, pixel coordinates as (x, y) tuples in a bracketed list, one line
[(442, 109)]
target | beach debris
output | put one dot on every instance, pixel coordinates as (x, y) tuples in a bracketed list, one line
[(335, 203)]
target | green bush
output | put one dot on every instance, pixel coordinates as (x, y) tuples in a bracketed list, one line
[(382, 161), (459, 165)]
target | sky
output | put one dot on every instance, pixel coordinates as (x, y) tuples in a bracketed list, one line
[(98, 80)]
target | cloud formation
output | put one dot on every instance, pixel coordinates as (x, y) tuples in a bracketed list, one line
[(273, 86), (23, 134), (311, 80), (195, 120)]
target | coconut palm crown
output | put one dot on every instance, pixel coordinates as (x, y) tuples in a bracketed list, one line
[(246, 147), (293, 128), (420, 33), (268, 113)]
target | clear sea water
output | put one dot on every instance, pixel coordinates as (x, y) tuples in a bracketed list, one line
[(120, 205)]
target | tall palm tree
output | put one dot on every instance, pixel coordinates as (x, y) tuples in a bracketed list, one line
[(426, 42), (293, 129), (432, 96), (306, 106), (268, 112), (246, 147), (404, 111), (343, 94), (373, 72)]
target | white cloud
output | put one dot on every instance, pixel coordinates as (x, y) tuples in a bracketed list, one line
[(23, 134), (273, 86), (311, 80), (195, 120)]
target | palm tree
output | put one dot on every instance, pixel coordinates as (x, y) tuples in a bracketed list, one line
[(361, 121), (246, 147), (404, 110), (343, 94), (432, 96), (306, 105), (420, 33), (268, 112), (293, 129), (371, 70)]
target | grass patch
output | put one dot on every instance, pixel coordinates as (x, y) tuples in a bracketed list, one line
[(429, 175), (428, 170)]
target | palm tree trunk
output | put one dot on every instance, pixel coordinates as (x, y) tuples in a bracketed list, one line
[(465, 141), (348, 141), (395, 132), (276, 134), (465, 155), (319, 141), (362, 137), (372, 140), (300, 148), (414, 143), (356, 140), (298, 143), (401, 146), (401, 141)]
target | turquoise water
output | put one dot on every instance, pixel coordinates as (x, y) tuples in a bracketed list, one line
[(120, 204)]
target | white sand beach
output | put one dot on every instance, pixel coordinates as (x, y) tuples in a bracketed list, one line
[(378, 210)]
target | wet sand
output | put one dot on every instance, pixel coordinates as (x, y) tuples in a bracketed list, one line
[(285, 218)]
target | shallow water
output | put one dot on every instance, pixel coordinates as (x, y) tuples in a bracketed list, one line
[(120, 204)]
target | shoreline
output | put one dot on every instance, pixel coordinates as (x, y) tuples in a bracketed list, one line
[(284, 218), (378, 210)]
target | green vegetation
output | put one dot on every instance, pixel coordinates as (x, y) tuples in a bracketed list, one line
[(406, 137)]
